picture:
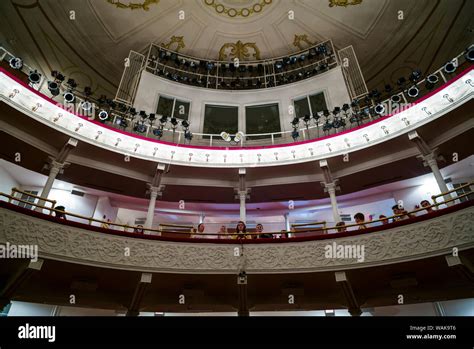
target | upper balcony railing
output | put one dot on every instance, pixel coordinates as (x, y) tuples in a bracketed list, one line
[(35, 203), (350, 115), (234, 74)]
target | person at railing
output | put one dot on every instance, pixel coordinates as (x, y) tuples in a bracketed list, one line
[(60, 212), (341, 227), (360, 219), (426, 204), (241, 231), (106, 222), (384, 219), (259, 229), (138, 229), (400, 213), (197, 233), (223, 232)]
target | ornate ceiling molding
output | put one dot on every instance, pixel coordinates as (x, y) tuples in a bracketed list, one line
[(145, 5), (178, 40), (300, 39), (240, 51), (422, 239), (233, 12), (344, 3)]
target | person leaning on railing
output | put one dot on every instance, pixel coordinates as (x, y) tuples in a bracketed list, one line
[(259, 229), (341, 227), (359, 219), (60, 212), (197, 233), (241, 231)]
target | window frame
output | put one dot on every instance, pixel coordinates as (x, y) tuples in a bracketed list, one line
[(174, 105)]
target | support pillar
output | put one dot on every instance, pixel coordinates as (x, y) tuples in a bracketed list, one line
[(330, 186), (352, 304), (134, 307), (151, 207)]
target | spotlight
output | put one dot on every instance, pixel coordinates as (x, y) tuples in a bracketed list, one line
[(295, 134), (163, 120), (174, 122), (307, 119), (133, 111), (396, 99), (413, 92), (379, 109), (450, 67), (293, 60), (57, 76), (326, 113), (53, 88), (401, 82), (188, 135), (152, 117), (312, 53), (185, 124), (469, 54), (279, 65), (225, 136), (415, 75), (71, 83), (142, 114), (69, 97), (431, 80), (302, 58), (336, 111), (322, 49), (209, 66), (87, 91), (103, 115), (295, 122), (388, 88), (86, 106), (16, 63), (34, 77), (322, 67), (239, 136)]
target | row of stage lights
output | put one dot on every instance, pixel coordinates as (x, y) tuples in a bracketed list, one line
[(354, 113), (242, 74), (106, 105)]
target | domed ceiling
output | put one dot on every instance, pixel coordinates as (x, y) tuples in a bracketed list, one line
[(88, 40)]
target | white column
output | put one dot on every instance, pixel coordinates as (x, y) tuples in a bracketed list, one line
[(433, 164), (53, 172), (243, 213), (201, 218), (331, 189), (287, 222), (151, 207)]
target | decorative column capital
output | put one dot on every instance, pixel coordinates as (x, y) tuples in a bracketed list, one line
[(242, 194), (155, 191), (331, 187)]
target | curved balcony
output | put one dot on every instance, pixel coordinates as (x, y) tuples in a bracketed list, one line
[(431, 234)]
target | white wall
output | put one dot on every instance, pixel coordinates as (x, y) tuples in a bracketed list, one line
[(7, 182), (151, 86), (104, 207), (81, 205)]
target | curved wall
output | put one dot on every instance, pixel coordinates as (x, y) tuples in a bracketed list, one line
[(151, 86)]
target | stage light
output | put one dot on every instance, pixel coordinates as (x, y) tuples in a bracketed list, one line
[(174, 122), (142, 113), (103, 115), (293, 60), (209, 66), (326, 113), (450, 67), (307, 119), (239, 136), (396, 99), (34, 77), (469, 54), (322, 67), (152, 117), (415, 75), (225, 136), (86, 106), (388, 88), (185, 124), (295, 122), (87, 91), (53, 88), (413, 92), (431, 80), (163, 120), (322, 49), (16, 63), (379, 109), (336, 111), (188, 135), (302, 58), (133, 111), (57, 76), (69, 97), (312, 53), (401, 82), (279, 65), (345, 107), (71, 83)]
